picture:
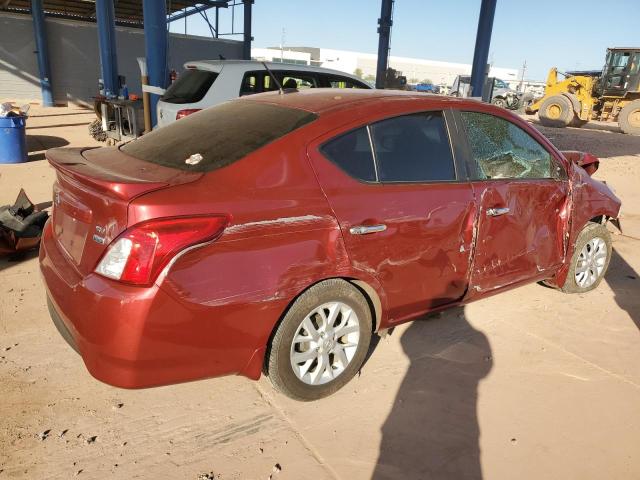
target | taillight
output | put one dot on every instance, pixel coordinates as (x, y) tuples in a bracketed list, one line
[(140, 253), (185, 112)]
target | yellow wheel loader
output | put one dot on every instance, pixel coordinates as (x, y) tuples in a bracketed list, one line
[(612, 95)]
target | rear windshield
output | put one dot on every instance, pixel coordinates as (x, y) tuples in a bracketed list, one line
[(190, 87), (217, 136)]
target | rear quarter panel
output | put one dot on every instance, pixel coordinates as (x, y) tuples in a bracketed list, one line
[(282, 237)]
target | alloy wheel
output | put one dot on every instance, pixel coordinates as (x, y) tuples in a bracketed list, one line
[(591, 262), (325, 342)]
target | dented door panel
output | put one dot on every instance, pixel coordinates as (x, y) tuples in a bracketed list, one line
[(526, 237), (421, 258)]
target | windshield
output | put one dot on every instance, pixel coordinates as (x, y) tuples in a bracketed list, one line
[(217, 136), (190, 87), (500, 83)]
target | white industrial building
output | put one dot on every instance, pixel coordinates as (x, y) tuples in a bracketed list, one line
[(415, 69)]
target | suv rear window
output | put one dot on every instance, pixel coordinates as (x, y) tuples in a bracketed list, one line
[(221, 135), (190, 87)]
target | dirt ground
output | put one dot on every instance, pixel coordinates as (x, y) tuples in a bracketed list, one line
[(529, 384)]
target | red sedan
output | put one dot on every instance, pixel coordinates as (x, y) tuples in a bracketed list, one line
[(277, 233)]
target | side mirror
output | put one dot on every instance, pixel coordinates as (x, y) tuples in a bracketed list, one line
[(587, 161)]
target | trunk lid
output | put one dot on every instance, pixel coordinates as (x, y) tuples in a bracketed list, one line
[(91, 197)]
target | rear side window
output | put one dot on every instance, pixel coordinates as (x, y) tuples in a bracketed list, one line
[(249, 84), (341, 82), (503, 150), (413, 148), (190, 87), (289, 80), (352, 153), (217, 136)]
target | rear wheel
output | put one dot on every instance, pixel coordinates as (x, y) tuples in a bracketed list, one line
[(556, 111), (321, 342), (629, 118), (590, 259)]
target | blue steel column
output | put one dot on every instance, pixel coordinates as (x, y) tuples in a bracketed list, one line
[(483, 41), (106, 21), (384, 37), (40, 30), (246, 46), (155, 38)]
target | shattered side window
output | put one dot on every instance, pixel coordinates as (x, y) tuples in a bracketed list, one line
[(503, 150)]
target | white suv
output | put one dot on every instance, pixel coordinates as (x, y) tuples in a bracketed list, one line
[(206, 83)]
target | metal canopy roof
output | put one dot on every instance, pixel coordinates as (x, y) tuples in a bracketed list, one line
[(128, 12)]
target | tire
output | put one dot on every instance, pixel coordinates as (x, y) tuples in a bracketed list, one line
[(320, 379), (588, 236), (556, 111), (499, 102), (629, 118), (96, 131), (577, 122)]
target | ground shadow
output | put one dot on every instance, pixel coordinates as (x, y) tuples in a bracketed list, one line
[(44, 142), (10, 260), (432, 431), (81, 112), (57, 125), (37, 144), (625, 283)]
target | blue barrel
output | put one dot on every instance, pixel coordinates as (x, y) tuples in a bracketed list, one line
[(13, 140)]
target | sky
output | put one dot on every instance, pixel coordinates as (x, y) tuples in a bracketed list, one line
[(568, 34)]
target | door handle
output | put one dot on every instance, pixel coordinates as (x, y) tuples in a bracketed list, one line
[(366, 229), (496, 212)]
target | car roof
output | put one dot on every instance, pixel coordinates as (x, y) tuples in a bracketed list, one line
[(247, 65), (322, 100)]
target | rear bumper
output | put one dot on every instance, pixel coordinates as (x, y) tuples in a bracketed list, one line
[(60, 325), (134, 337)]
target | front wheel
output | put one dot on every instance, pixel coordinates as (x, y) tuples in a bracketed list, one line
[(556, 111), (321, 342), (629, 118), (590, 259)]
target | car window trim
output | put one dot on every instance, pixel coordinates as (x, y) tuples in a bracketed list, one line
[(373, 153), (472, 165)]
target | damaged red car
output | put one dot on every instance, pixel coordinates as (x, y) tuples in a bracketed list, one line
[(277, 233)]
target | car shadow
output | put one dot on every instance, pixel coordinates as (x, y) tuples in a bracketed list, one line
[(432, 430), (11, 259), (38, 144), (625, 283)]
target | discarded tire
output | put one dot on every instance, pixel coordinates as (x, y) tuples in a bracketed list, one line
[(96, 131)]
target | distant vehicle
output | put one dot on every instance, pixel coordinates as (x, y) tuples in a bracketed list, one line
[(278, 233), (395, 80), (502, 95), (610, 95), (207, 83), (427, 88)]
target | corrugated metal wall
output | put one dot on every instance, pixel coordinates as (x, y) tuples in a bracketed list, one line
[(74, 57)]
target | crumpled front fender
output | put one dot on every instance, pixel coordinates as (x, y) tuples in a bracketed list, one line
[(591, 199)]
